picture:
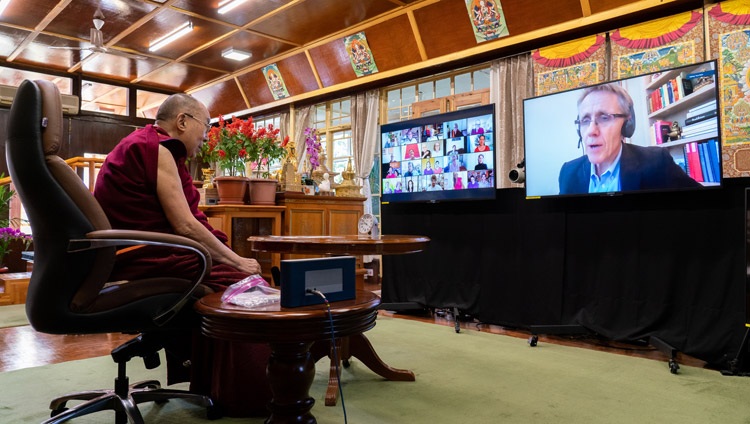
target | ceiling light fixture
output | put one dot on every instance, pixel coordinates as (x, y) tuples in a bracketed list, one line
[(234, 54), (227, 5), (175, 34), (3, 5)]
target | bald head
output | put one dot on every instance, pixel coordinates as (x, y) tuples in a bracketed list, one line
[(176, 104), (184, 118)]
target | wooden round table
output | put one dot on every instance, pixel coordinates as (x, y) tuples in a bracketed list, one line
[(387, 244), (356, 345), (290, 332)]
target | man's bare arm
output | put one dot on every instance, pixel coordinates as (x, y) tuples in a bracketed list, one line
[(172, 199)]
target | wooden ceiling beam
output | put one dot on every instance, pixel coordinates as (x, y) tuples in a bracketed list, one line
[(59, 7)]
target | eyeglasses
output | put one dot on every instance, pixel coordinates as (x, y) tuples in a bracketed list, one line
[(602, 120), (207, 126)]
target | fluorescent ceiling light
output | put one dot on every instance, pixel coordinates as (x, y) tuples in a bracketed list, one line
[(3, 5), (175, 34), (227, 5), (237, 55)]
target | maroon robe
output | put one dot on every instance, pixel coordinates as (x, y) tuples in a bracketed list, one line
[(126, 190)]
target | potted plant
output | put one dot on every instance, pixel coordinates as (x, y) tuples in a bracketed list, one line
[(237, 143), (10, 238)]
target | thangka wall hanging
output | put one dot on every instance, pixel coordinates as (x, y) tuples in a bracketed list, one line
[(569, 65), (275, 82), (487, 19), (360, 54), (662, 43), (729, 29)]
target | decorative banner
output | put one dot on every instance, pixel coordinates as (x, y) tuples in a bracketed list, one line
[(567, 78), (658, 44), (658, 32), (487, 19), (562, 67), (360, 54), (654, 60), (729, 29), (734, 57), (275, 82)]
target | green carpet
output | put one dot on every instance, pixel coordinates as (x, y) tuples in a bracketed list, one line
[(470, 377), (13, 316)]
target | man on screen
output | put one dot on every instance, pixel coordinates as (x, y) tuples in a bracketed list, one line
[(605, 119), (480, 163)]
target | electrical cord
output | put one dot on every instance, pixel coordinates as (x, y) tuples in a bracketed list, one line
[(333, 346)]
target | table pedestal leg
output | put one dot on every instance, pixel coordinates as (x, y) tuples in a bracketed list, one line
[(291, 371), (359, 347)]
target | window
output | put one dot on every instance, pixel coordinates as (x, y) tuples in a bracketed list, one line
[(400, 98), (14, 77), (104, 98), (333, 120), (148, 103)]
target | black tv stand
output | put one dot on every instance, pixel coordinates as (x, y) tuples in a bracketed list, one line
[(738, 365), (666, 349), (556, 330)]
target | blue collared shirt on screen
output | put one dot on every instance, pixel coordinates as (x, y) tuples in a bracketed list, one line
[(609, 181)]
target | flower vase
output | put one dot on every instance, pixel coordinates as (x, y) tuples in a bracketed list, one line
[(232, 190), (262, 191)]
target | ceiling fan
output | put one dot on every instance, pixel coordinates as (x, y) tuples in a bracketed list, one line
[(97, 40)]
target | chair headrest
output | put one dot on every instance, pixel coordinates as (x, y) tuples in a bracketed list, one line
[(52, 120)]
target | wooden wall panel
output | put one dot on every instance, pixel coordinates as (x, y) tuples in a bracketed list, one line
[(598, 6), (94, 136), (523, 16), (221, 97), (445, 28), (393, 44), (182, 75), (298, 74), (255, 87), (332, 63)]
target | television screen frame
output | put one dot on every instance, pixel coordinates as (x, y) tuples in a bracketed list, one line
[(551, 138), (408, 141)]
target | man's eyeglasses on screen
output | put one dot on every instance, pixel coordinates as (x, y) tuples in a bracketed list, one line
[(602, 120)]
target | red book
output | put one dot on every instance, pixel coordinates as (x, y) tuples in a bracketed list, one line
[(694, 161)]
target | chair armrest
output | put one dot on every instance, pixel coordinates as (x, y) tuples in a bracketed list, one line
[(113, 238)]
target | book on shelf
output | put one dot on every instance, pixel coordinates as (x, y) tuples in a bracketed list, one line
[(701, 108), (709, 132), (699, 74), (713, 153), (701, 116), (709, 123), (693, 161), (660, 132), (705, 163)]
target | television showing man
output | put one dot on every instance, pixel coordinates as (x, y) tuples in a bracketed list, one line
[(605, 119)]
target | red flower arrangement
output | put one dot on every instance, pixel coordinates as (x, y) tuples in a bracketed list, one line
[(233, 144)]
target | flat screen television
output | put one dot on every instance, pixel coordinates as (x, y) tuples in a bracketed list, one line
[(449, 156), (572, 138)]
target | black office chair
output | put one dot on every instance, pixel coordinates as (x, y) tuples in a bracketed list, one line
[(74, 252)]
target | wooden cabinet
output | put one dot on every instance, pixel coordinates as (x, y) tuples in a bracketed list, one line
[(294, 214), (320, 215), (242, 221)]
